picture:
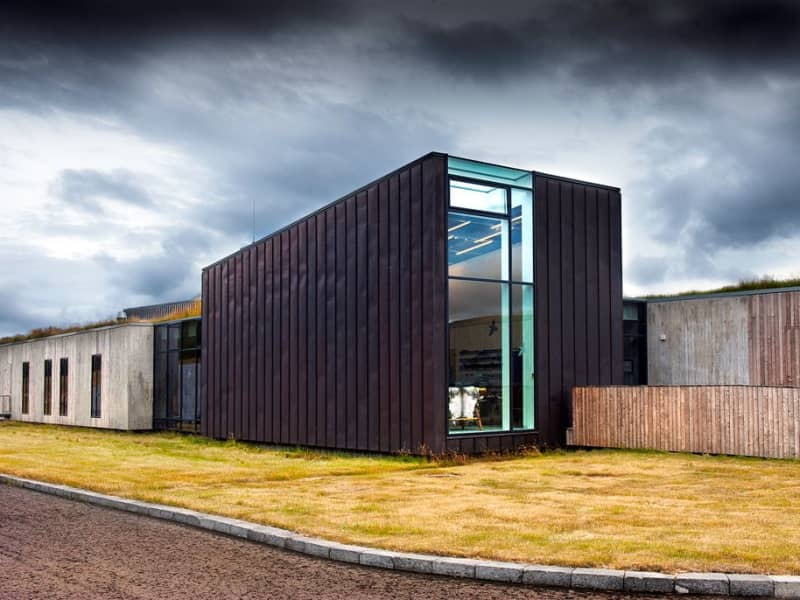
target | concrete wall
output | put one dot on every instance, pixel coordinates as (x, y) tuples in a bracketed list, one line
[(747, 338), (126, 376), (697, 342)]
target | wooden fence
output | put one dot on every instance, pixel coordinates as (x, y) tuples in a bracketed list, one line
[(723, 419)]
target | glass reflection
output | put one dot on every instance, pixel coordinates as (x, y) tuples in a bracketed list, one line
[(478, 398), (522, 388), (476, 196), (522, 235), (476, 246)]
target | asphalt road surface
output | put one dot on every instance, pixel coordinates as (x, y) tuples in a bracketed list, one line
[(56, 548)]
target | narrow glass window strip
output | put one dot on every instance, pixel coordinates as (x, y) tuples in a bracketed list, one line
[(522, 357), (26, 383), (479, 197), (96, 388), (522, 254), (63, 387), (462, 167), (47, 398)]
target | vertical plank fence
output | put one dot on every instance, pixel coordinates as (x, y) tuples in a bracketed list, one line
[(723, 419)]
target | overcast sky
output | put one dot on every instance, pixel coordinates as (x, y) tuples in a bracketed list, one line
[(134, 139)]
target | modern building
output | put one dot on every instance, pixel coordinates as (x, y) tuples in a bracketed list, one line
[(448, 306), (100, 377)]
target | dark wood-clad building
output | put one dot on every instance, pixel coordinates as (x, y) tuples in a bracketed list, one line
[(450, 305)]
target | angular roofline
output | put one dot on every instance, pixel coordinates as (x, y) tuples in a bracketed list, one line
[(365, 187)]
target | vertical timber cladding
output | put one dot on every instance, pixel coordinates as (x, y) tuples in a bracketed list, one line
[(774, 338), (579, 339), (331, 332)]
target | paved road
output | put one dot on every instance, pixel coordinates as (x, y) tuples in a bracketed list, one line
[(56, 548)]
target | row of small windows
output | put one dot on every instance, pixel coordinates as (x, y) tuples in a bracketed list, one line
[(63, 390)]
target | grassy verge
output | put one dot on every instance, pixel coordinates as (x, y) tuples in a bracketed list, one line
[(619, 509)]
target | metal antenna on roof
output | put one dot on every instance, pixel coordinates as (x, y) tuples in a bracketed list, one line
[(254, 219)]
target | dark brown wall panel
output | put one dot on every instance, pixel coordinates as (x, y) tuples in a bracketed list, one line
[(311, 331), (331, 331), (579, 295), (373, 320), (207, 290)]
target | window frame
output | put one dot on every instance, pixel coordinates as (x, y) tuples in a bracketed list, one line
[(26, 388), (96, 387), (63, 387), (47, 388), (509, 282)]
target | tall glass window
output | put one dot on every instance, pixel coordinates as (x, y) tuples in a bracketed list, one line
[(26, 382), (47, 394), (490, 291), (63, 387), (96, 400)]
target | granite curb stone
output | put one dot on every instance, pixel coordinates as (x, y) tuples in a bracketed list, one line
[(506, 572), (648, 582), (751, 585), (598, 579), (345, 553), (266, 535), (786, 586), (547, 576), (779, 586), (376, 558), (416, 563), (455, 567), (702, 583)]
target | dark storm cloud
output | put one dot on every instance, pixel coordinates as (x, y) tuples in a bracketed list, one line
[(739, 191), (87, 188), (634, 41), (94, 22)]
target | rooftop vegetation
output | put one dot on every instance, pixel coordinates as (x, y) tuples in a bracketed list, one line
[(42, 332), (745, 285)]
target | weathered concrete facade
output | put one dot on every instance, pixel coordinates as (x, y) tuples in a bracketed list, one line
[(749, 338), (126, 376)]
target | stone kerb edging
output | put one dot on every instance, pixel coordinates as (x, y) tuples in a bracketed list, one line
[(777, 586)]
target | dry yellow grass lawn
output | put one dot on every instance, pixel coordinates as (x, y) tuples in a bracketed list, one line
[(618, 509)]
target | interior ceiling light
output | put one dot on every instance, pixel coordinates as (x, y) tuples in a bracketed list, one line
[(459, 226), (488, 237), (471, 248)]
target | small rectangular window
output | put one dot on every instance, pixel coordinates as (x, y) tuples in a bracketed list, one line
[(477, 246), (96, 369), (475, 196), (63, 387), (26, 382), (630, 312), (47, 399)]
